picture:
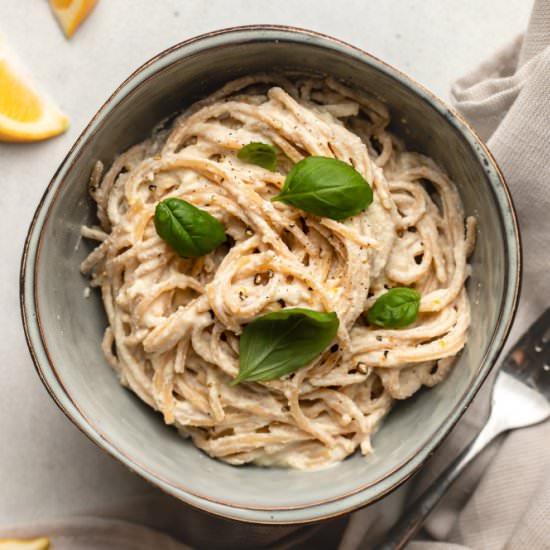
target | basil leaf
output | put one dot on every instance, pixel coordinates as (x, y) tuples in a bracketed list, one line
[(262, 154), (191, 232), (282, 342), (396, 308), (326, 187)]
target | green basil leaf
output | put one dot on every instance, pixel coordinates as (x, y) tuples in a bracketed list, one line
[(282, 342), (262, 154), (191, 232), (326, 187), (396, 308)]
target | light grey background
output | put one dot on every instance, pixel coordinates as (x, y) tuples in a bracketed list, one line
[(47, 468)]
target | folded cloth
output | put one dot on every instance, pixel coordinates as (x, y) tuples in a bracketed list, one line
[(83, 533), (503, 499), (508, 99)]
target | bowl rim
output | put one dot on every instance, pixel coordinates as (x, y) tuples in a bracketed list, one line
[(80, 419)]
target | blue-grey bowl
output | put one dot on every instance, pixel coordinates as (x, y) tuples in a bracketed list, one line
[(64, 330)]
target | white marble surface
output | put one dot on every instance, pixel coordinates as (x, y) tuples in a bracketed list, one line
[(47, 467)]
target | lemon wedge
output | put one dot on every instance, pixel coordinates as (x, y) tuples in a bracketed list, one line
[(29, 544), (25, 115), (71, 13)]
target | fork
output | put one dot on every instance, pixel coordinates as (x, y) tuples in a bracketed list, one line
[(520, 398)]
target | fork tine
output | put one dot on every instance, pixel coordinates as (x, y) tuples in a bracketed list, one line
[(543, 344), (533, 348), (529, 360)]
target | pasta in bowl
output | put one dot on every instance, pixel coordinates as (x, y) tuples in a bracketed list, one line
[(237, 259), (176, 316)]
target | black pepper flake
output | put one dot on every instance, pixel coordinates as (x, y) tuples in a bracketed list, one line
[(335, 348), (310, 289), (361, 367), (263, 278), (282, 303), (242, 295), (379, 338), (386, 352)]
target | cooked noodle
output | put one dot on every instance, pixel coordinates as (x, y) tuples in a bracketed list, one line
[(174, 323)]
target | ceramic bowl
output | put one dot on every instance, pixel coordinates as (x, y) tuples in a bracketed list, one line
[(64, 329)]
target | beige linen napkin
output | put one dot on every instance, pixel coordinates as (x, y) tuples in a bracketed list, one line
[(503, 499), (95, 534), (507, 99)]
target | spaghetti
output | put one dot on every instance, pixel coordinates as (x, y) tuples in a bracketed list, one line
[(174, 323)]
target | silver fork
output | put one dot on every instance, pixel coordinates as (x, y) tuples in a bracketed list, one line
[(520, 398)]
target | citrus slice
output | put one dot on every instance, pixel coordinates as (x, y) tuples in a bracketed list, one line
[(71, 13), (25, 115), (29, 544)]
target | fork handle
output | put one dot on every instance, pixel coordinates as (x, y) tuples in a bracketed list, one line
[(409, 524)]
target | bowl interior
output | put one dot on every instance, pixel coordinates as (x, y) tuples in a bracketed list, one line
[(72, 326)]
